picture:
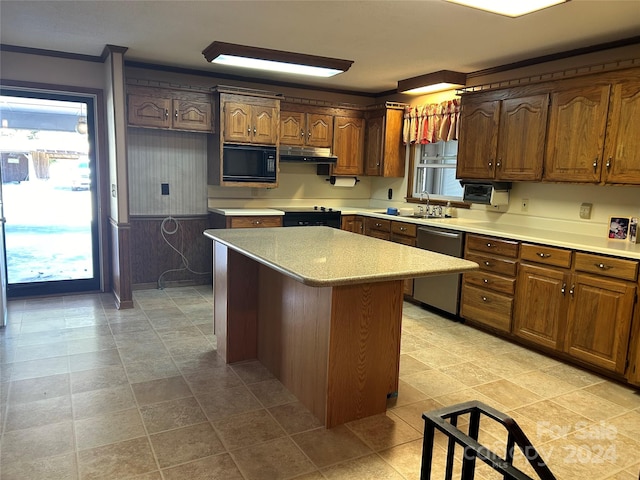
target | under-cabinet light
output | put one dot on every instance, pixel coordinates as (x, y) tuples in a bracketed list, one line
[(509, 8), (274, 60)]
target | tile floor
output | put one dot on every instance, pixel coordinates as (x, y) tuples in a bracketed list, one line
[(90, 392)]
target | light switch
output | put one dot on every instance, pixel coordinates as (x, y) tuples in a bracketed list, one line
[(585, 210)]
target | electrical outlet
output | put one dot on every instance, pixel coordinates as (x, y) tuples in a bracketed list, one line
[(525, 205), (114, 190), (585, 210), (164, 188)]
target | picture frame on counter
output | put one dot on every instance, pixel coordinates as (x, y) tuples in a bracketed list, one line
[(618, 228), (633, 230)]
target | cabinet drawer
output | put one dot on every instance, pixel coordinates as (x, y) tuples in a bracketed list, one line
[(495, 246), (401, 228), (491, 282), (255, 222), (498, 265), (546, 255), (490, 308), (607, 266), (377, 224), (411, 241)]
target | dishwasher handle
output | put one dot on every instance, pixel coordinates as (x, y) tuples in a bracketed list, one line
[(441, 233)]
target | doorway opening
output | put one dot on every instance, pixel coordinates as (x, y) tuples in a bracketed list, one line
[(49, 192)]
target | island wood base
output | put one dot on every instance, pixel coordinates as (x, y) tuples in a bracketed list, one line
[(336, 349)]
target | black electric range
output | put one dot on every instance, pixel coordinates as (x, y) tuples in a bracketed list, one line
[(310, 216)]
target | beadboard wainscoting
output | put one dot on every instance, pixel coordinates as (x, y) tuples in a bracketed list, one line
[(162, 156), (151, 255)]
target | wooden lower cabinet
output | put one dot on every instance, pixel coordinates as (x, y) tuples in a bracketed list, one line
[(487, 295), (541, 306), (599, 321), (377, 228), (352, 223), (244, 221)]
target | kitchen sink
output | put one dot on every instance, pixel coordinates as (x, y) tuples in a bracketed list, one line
[(415, 215)]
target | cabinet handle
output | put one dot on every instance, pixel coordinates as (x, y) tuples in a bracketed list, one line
[(403, 229), (543, 255), (484, 299), (609, 163), (572, 289), (499, 163), (176, 114), (301, 133), (490, 164), (487, 263), (602, 266), (490, 245), (256, 222), (563, 289), (378, 224), (166, 113), (595, 163), (485, 281), (309, 134), (254, 130), (249, 130)]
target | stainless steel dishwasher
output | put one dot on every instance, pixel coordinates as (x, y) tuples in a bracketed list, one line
[(441, 291)]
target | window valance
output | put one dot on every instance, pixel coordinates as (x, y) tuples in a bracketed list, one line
[(432, 122)]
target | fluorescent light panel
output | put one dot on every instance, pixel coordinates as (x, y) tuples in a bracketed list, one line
[(274, 60), (432, 82), (509, 8)]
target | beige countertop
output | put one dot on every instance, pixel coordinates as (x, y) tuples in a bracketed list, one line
[(247, 212), (556, 238), (326, 257)]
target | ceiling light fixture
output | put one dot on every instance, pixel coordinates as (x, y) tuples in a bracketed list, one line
[(274, 60), (509, 8), (432, 82)]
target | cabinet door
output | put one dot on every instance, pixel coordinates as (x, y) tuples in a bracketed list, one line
[(149, 111), (237, 122), (292, 128), (477, 145), (577, 122), (622, 146), (265, 124), (190, 115), (523, 127), (600, 321), (319, 130), (541, 306), (373, 146), (348, 142)]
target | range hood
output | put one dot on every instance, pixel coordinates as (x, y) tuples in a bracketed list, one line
[(307, 155)]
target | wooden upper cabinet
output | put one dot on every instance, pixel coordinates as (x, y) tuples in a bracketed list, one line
[(384, 153), (622, 144), (348, 145), (373, 146), (306, 129), (577, 121), (477, 145), (144, 111), (156, 111), (521, 138), (191, 115), (246, 121)]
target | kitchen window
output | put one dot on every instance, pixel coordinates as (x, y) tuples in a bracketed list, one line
[(432, 132), (434, 170)]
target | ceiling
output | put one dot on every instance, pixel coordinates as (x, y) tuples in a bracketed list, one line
[(387, 40)]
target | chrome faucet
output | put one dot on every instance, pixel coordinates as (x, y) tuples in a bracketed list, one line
[(426, 209)]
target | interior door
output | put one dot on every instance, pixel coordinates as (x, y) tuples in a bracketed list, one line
[(50, 193)]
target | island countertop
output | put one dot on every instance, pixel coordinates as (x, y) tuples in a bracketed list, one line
[(326, 257)]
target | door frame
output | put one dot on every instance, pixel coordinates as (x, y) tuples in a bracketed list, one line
[(101, 164)]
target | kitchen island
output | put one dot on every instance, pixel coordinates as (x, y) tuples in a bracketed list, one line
[(319, 307)]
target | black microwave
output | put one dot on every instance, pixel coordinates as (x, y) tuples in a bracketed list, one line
[(249, 163)]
